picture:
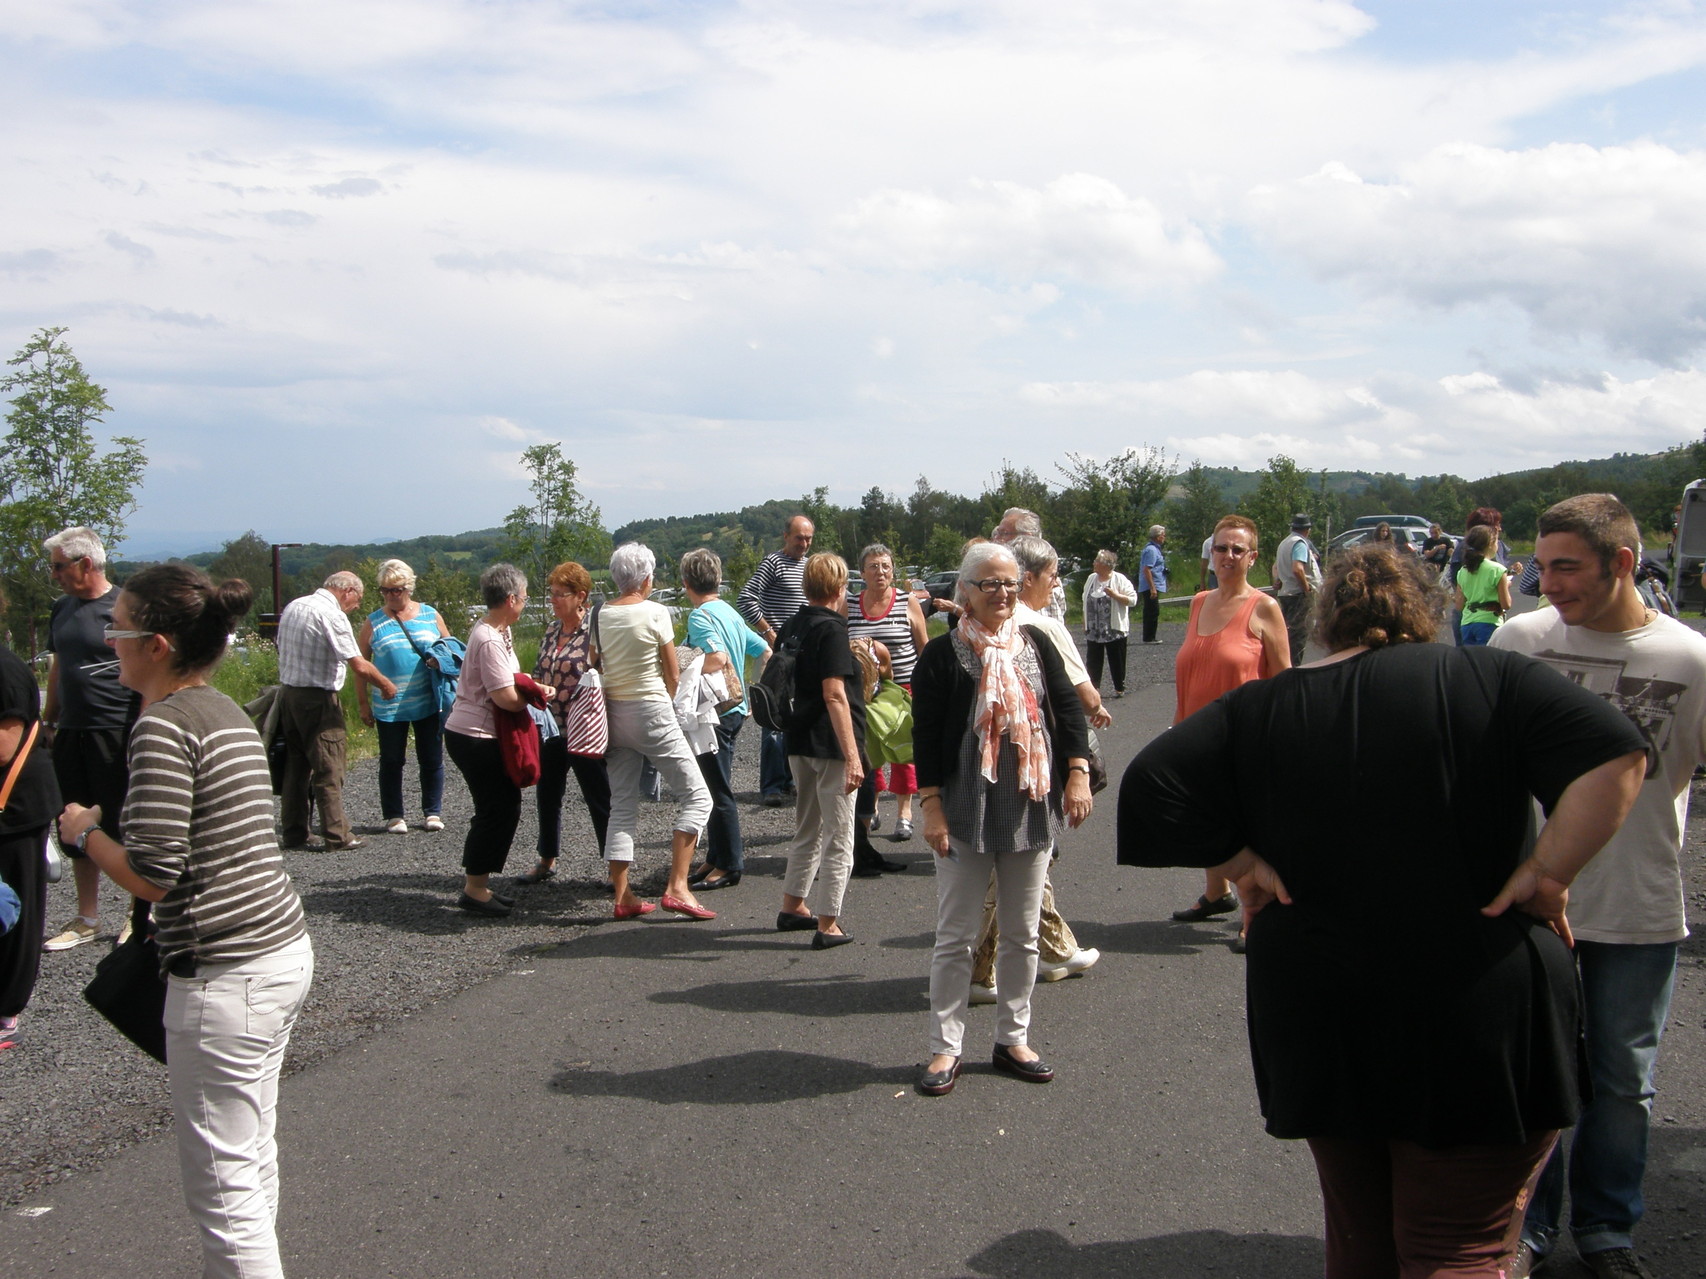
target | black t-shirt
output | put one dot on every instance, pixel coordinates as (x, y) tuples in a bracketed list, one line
[(824, 654), (90, 695), (1382, 1003), (35, 797), (1437, 550)]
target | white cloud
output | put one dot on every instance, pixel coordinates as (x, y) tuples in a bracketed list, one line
[(1591, 244), (1079, 227)]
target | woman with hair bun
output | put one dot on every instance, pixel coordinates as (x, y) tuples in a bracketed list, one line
[(1412, 1003), (199, 844)]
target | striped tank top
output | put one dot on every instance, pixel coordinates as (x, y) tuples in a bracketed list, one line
[(889, 628)]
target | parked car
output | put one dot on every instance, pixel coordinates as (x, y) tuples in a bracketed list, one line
[(1396, 521), (1355, 536), (941, 585)]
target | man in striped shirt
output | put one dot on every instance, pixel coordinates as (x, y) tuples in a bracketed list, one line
[(315, 645), (771, 596)]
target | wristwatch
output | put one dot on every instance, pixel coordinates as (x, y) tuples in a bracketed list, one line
[(81, 843)]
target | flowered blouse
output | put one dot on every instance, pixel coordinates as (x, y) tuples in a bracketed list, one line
[(562, 662)]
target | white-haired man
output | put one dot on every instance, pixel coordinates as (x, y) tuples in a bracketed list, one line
[(1017, 522), (87, 709), (315, 646)]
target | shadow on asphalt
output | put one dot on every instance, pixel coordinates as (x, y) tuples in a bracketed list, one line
[(742, 1079), (1153, 937), (1030, 1253), (843, 995)]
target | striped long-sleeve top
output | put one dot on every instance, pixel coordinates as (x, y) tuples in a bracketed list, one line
[(198, 823), (774, 592)]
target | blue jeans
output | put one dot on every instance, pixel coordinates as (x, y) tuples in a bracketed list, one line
[(723, 846), (429, 751), (1626, 994), (774, 778), (1475, 634)]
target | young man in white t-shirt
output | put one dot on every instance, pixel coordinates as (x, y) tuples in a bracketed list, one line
[(1626, 906)]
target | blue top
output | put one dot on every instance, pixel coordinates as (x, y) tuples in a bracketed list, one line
[(400, 662), (1156, 562), (715, 627)]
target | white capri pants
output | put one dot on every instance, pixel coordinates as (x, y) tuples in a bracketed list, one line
[(226, 1031), (641, 730)]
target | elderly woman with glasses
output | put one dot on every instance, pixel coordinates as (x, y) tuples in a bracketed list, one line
[(1108, 597), (1236, 634), (635, 639), (1003, 757), (397, 638), (487, 683)]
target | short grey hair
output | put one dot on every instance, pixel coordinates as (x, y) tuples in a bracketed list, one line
[(1025, 523), (875, 548), (1108, 558), (396, 573), (78, 543), (701, 570), (630, 564), (1157, 530), (344, 580), (972, 563), (1033, 554), (501, 581)]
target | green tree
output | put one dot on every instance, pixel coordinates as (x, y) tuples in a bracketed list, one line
[(943, 548), (1192, 515), (53, 475), (1109, 504), (559, 524), (250, 558), (1282, 492), (451, 590), (826, 522), (741, 562), (1014, 486)]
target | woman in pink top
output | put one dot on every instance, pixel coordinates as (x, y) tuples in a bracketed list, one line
[(1236, 634)]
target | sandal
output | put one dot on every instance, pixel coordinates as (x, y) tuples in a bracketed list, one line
[(538, 875)]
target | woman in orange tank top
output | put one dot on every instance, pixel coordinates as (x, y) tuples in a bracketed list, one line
[(1236, 634)]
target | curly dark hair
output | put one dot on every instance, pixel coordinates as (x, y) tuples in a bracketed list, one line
[(1375, 597)]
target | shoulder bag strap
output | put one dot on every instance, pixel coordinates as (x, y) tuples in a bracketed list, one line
[(17, 768)]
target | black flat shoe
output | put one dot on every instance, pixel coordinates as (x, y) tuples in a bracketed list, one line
[(496, 908), (829, 941), (697, 873), (941, 1082), (788, 922), (538, 875), (890, 867), (867, 871), (1036, 1072), (1206, 909), (727, 881)]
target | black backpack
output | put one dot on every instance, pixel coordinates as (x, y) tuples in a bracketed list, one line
[(773, 697)]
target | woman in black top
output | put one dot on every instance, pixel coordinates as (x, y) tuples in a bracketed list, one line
[(23, 835), (1003, 755), (1424, 1045)]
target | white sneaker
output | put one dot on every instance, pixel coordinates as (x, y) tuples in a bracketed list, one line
[(434, 822), (1086, 957), (397, 826), (982, 994)]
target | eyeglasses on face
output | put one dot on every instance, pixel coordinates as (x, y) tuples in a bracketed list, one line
[(393, 590), (996, 585), (56, 567), (1233, 551)]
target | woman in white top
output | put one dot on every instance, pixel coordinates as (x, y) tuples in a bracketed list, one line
[(1108, 597), (470, 736), (635, 640)]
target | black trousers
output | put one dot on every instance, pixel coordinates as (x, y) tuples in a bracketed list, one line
[(497, 802), (22, 865), (1151, 613), (555, 764), (1114, 650)]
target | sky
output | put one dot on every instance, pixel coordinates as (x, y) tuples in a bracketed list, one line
[(338, 264)]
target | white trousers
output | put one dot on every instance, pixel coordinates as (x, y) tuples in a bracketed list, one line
[(642, 730), (821, 857), (226, 1031), (961, 882)]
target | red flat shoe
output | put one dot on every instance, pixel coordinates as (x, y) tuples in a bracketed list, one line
[(685, 908), (634, 911)]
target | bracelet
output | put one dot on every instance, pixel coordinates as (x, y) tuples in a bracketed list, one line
[(925, 799), (1079, 768)]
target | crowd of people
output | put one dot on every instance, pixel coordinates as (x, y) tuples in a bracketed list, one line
[(1428, 1057)]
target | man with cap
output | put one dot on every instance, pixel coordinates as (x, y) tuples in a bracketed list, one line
[(1297, 573)]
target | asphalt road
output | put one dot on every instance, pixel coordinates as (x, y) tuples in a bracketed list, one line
[(663, 1098)]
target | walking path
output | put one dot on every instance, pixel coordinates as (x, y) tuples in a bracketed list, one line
[(676, 1099)]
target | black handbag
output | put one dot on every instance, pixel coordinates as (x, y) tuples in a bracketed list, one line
[(129, 990)]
